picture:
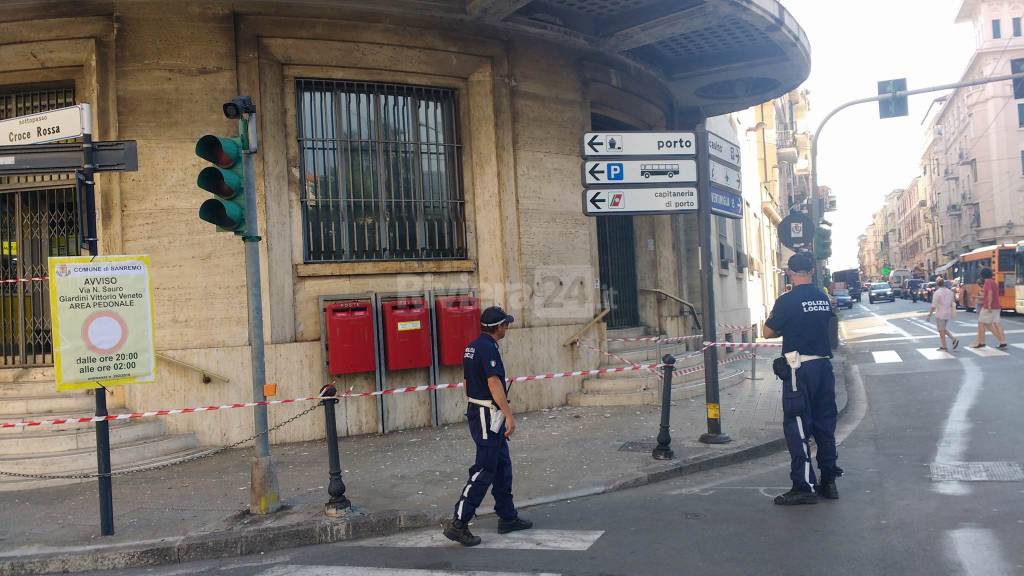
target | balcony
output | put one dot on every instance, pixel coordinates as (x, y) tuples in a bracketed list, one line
[(784, 139)]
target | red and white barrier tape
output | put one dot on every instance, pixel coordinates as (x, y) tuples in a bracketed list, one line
[(700, 368), (745, 345), (30, 279), (657, 339), (349, 394)]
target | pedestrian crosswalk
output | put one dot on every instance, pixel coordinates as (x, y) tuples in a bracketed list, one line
[(933, 353), (886, 356), (536, 539), (313, 570)]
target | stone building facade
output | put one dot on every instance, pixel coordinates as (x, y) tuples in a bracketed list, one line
[(405, 146)]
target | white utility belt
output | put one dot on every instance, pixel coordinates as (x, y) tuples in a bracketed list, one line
[(795, 359), (497, 416)]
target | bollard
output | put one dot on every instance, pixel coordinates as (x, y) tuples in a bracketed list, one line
[(753, 352), (662, 451), (336, 488)]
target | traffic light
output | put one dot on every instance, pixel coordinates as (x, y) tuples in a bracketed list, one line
[(1016, 67), (892, 107), (225, 180), (823, 243)]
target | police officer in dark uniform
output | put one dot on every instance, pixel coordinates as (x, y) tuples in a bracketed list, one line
[(491, 424), (807, 323)]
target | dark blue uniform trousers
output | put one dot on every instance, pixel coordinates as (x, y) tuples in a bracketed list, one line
[(492, 469), (809, 412)]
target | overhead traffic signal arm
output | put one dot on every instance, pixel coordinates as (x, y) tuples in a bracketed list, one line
[(225, 180)]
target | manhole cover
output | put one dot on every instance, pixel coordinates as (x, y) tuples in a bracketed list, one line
[(638, 446), (977, 472)]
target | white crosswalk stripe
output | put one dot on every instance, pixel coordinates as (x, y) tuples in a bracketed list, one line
[(299, 570), (987, 351), (1021, 346), (573, 540), (886, 357), (934, 354)]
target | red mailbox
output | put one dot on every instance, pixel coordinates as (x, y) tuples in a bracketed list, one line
[(407, 334), (458, 324), (350, 337)]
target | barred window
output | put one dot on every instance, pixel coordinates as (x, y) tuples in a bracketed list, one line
[(381, 172)]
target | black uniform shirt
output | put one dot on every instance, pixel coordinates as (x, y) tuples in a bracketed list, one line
[(481, 361), (803, 317)]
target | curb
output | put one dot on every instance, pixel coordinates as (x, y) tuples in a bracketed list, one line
[(254, 535)]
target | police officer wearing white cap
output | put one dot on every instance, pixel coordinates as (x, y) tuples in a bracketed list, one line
[(491, 424)]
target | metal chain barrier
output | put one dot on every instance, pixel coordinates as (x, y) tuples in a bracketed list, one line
[(162, 465)]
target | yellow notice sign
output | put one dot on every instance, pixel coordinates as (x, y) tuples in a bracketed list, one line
[(714, 413), (102, 316)]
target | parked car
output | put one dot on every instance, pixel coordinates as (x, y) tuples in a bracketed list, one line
[(843, 298), (880, 291)]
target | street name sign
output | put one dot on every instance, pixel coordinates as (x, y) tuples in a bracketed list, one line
[(725, 176), (596, 144), (726, 203), (652, 171), (723, 149), (628, 201), (102, 317), (59, 124)]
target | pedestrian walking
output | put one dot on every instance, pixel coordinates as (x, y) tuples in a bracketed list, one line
[(491, 424), (804, 319), (944, 308), (989, 310)]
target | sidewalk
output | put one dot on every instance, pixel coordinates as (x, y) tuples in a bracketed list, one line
[(402, 480)]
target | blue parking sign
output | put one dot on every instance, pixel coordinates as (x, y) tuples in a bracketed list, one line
[(615, 171)]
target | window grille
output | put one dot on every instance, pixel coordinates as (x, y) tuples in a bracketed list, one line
[(381, 172)]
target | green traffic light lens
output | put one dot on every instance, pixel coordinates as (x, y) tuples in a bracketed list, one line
[(226, 215)]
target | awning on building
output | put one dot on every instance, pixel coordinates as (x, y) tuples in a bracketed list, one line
[(717, 56), (945, 267)]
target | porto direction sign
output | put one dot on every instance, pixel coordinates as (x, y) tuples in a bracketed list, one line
[(623, 143), (647, 171), (629, 201)]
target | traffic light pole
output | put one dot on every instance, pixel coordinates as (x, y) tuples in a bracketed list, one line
[(264, 492), (814, 212)]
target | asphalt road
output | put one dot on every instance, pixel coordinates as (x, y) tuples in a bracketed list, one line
[(931, 446)]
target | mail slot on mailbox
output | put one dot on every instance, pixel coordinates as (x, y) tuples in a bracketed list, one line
[(350, 337), (407, 334), (458, 323)]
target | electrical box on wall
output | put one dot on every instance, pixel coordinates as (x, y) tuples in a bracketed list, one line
[(349, 326), (407, 333), (458, 323)]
